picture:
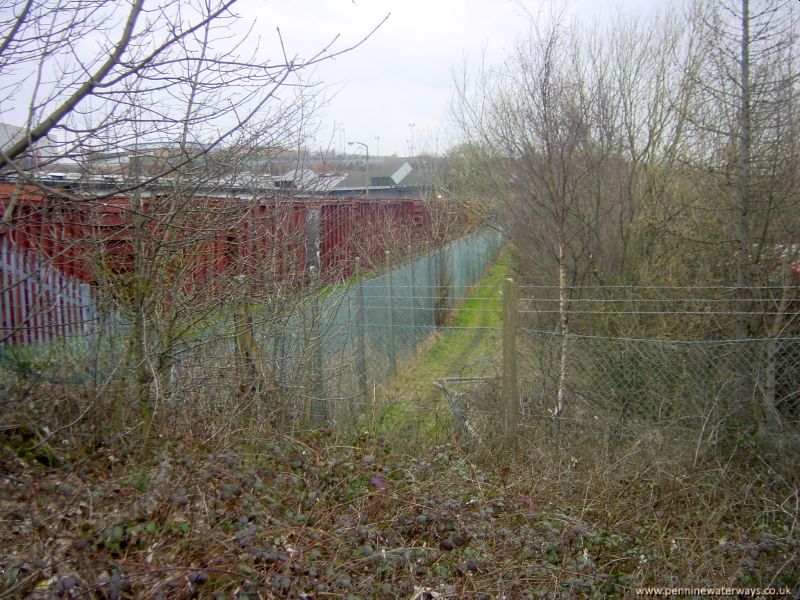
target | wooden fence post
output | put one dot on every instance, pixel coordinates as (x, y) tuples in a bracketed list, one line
[(510, 394)]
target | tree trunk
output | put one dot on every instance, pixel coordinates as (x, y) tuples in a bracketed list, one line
[(745, 386), (563, 325), (743, 233), (771, 418), (139, 334)]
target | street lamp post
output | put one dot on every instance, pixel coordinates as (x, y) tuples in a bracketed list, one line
[(366, 149)]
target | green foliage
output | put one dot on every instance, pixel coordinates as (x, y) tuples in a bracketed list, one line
[(139, 480), (410, 402), (181, 527)]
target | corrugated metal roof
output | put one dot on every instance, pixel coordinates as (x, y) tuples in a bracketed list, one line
[(326, 182), (382, 175)]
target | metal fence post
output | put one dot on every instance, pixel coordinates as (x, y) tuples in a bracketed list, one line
[(390, 320), (414, 303), (442, 287), (430, 290), (509, 392), (88, 313), (319, 409), (361, 333), (243, 336)]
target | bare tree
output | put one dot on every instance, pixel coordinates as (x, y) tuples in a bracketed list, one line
[(583, 135), (745, 123), (183, 73), (158, 113), (540, 115)]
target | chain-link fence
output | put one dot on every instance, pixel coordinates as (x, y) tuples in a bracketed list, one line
[(663, 358), (306, 357), (688, 383), (634, 358), (623, 359), (325, 357)]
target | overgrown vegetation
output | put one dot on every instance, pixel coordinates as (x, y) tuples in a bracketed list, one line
[(248, 512), (312, 518), (411, 409), (651, 152), (162, 479)]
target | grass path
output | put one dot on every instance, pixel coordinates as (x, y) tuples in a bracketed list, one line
[(410, 408)]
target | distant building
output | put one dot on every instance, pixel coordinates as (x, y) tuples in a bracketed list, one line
[(146, 158), (9, 134), (266, 173), (387, 178)]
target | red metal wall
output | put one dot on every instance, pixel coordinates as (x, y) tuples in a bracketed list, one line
[(266, 240)]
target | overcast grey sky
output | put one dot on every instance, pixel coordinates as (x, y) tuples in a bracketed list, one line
[(394, 88), (403, 74)]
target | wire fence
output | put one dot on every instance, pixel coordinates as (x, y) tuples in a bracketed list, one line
[(339, 348), (620, 359), (309, 357), (612, 358)]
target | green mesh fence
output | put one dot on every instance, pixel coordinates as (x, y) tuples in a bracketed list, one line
[(635, 356), (314, 357)]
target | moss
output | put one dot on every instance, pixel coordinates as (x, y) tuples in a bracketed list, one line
[(410, 407)]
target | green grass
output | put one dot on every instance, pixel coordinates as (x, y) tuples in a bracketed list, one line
[(410, 407)]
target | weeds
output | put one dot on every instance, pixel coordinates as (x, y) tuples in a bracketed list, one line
[(312, 518), (225, 506), (410, 409)]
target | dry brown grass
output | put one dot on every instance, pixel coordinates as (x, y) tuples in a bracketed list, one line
[(258, 514)]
